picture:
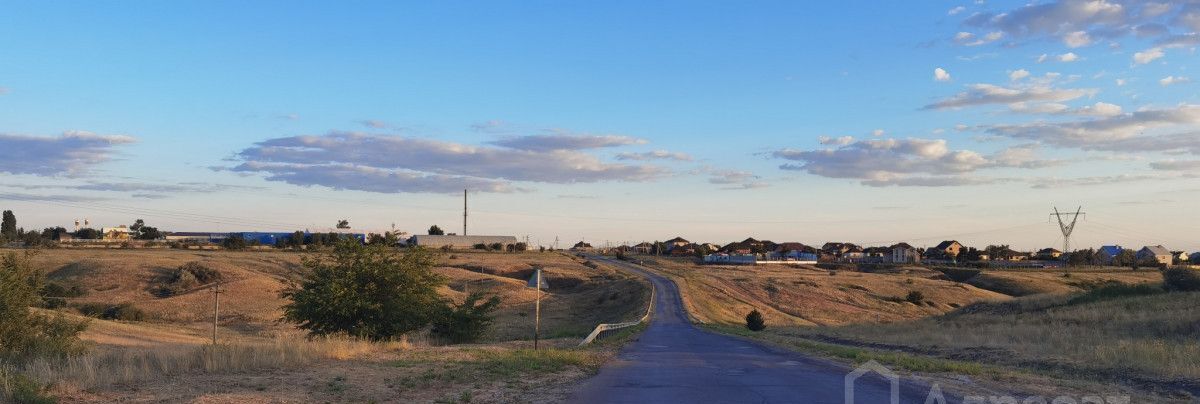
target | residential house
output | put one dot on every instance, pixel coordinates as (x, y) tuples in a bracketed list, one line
[(685, 250), (795, 252), (946, 250), (739, 259), (876, 254), (903, 253), (1156, 253), (676, 242), (121, 232), (1049, 254), (1107, 254), (853, 254), (1194, 259), (643, 248)]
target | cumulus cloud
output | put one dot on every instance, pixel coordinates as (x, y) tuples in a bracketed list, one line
[(1147, 56), (1018, 74), (566, 141), (1068, 57), (884, 161), (835, 141), (956, 10), (1051, 108), (1125, 132), (1077, 39), (391, 164), (983, 94), (940, 74), (72, 153), (970, 39), (655, 155), (1169, 80)]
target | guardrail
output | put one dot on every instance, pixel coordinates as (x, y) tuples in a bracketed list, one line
[(603, 328)]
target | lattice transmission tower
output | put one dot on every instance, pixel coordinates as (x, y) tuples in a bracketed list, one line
[(1067, 229)]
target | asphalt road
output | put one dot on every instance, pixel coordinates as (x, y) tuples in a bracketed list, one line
[(676, 362)]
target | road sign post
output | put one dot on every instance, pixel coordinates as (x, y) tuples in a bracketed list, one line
[(536, 282)]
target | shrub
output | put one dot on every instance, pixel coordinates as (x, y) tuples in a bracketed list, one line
[(915, 297), (123, 311), (187, 276), (590, 264), (1115, 290), (467, 322), (1181, 280), (365, 291), (25, 334), (754, 321), (19, 388)]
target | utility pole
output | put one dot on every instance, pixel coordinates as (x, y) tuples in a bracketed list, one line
[(537, 311), (216, 309), (1067, 229), (464, 212)]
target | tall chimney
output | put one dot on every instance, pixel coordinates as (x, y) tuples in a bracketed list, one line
[(464, 212)]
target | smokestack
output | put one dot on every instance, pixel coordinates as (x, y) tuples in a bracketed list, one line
[(464, 212)]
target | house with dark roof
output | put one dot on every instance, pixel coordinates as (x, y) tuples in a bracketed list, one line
[(582, 246), (903, 253), (1156, 253), (1107, 254), (676, 242), (946, 250), (795, 252), (1048, 254)]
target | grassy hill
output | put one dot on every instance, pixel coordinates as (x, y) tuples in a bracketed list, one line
[(579, 297)]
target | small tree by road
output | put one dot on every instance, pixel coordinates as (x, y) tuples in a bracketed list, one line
[(436, 231), (754, 321)]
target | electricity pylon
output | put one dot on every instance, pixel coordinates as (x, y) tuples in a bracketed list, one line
[(1067, 229)]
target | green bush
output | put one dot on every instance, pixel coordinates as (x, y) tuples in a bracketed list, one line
[(23, 333), (1180, 279), (467, 322), (365, 291), (1114, 291), (754, 321), (18, 388), (915, 297), (187, 276), (123, 311)]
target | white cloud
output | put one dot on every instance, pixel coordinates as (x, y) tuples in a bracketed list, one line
[(72, 153), (1038, 108), (1120, 82), (900, 162), (1077, 39), (1042, 58), (969, 39), (391, 164), (983, 94), (374, 124), (940, 74), (877, 132), (1190, 166), (735, 179), (654, 155), (1169, 80), (559, 140), (1018, 74), (1147, 56), (956, 10), (835, 141), (1100, 109), (1068, 57), (1126, 132)]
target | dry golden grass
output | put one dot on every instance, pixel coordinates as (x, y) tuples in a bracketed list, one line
[(579, 297), (168, 358), (1032, 282), (810, 296)]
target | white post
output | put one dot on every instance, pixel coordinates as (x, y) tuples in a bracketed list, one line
[(537, 311)]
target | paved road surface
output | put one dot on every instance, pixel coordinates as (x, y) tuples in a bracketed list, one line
[(675, 362)]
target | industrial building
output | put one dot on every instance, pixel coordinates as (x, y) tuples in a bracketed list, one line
[(458, 242)]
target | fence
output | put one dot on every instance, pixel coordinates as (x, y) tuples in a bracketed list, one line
[(607, 328)]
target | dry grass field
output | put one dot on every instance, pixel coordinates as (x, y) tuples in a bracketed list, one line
[(167, 357), (1008, 327)]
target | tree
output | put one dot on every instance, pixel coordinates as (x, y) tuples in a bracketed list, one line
[(88, 233), (754, 321), (343, 224), (296, 240), (25, 334), (436, 231), (365, 291), (143, 232), (234, 241), (8, 228), (1125, 258), (467, 322)]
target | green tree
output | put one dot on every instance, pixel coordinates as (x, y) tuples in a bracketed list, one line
[(467, 322), (296, 240), (88, 233), (23, 333), (436, 231), (8, 227), (365, 291), (754, 321), (343, 224), (234, 241)]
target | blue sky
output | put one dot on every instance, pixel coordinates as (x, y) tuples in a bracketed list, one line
[(793, 121)]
